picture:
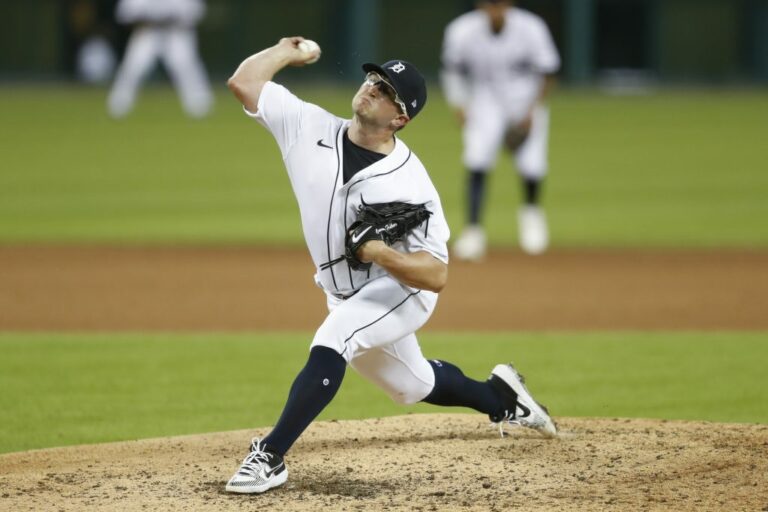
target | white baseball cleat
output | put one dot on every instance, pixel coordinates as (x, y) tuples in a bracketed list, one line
[(521, 408), (260, 471), (533, 232), (471, 244)]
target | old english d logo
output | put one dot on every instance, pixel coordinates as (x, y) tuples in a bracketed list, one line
[(398, 68)]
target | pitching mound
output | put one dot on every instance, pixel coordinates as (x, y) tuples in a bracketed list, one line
[(416, 462)]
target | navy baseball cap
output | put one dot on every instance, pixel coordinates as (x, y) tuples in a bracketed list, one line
[(407, 81)]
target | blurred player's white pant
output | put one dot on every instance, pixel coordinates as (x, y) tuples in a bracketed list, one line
[(374, 331), (176, 46), (484, 132)]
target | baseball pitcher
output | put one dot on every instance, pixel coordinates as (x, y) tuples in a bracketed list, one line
[(375, 229), (498, 65)]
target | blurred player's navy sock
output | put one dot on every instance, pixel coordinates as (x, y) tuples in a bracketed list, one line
[(531, 190), (476, 194), (453, 388), (314, 388)]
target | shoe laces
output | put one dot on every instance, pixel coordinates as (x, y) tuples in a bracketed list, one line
[(520, 416), (509, 418), (255, 460)]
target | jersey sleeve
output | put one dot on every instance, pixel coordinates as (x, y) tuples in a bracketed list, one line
[(453, 71), (546, 58), (432, 236), (280, 112)]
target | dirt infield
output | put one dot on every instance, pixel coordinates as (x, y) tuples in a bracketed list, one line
[(409, 463), (230, 289), (414, 463)]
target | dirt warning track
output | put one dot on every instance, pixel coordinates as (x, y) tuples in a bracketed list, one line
[(236, 289)]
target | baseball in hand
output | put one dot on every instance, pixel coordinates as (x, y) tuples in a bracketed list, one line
[(309, 46)]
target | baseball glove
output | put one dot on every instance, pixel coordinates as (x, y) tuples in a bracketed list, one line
[(515, 136), (388, 222)]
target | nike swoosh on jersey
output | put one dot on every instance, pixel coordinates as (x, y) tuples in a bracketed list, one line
[(322, 145), (356, 238)]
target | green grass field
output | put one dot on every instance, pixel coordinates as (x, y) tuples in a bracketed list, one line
[(68, 389), (674, 169), (681, 169)]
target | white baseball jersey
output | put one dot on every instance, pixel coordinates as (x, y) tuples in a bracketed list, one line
[(373, 317), (185, 12), (310, 141), (507, 67), (496, 79)]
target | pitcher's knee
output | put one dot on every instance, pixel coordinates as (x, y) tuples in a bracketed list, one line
[(410, 396)]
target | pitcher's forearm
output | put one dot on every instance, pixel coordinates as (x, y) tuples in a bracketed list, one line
[(419, 270), (249, 78)]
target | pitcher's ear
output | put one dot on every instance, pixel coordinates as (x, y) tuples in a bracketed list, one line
[(400, 122)]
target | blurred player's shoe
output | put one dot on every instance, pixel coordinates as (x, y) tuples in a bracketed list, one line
[(521, 408), (260, 471), (471, 245), (119, 104), (532, 226)]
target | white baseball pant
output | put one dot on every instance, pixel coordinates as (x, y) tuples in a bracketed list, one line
[(176, 47), (374, 331), (483, 137)]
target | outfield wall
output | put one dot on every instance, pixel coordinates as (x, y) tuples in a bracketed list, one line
[(669, 41)]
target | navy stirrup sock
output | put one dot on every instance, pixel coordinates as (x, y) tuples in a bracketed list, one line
[(531, 191), (314, 388), (453, 388), (476, 195)]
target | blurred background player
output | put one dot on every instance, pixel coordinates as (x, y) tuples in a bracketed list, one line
[(498, 63), (164, 30)]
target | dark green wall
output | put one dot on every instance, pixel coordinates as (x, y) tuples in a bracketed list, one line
[(686, 40), (30, 35), (699, 39)]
